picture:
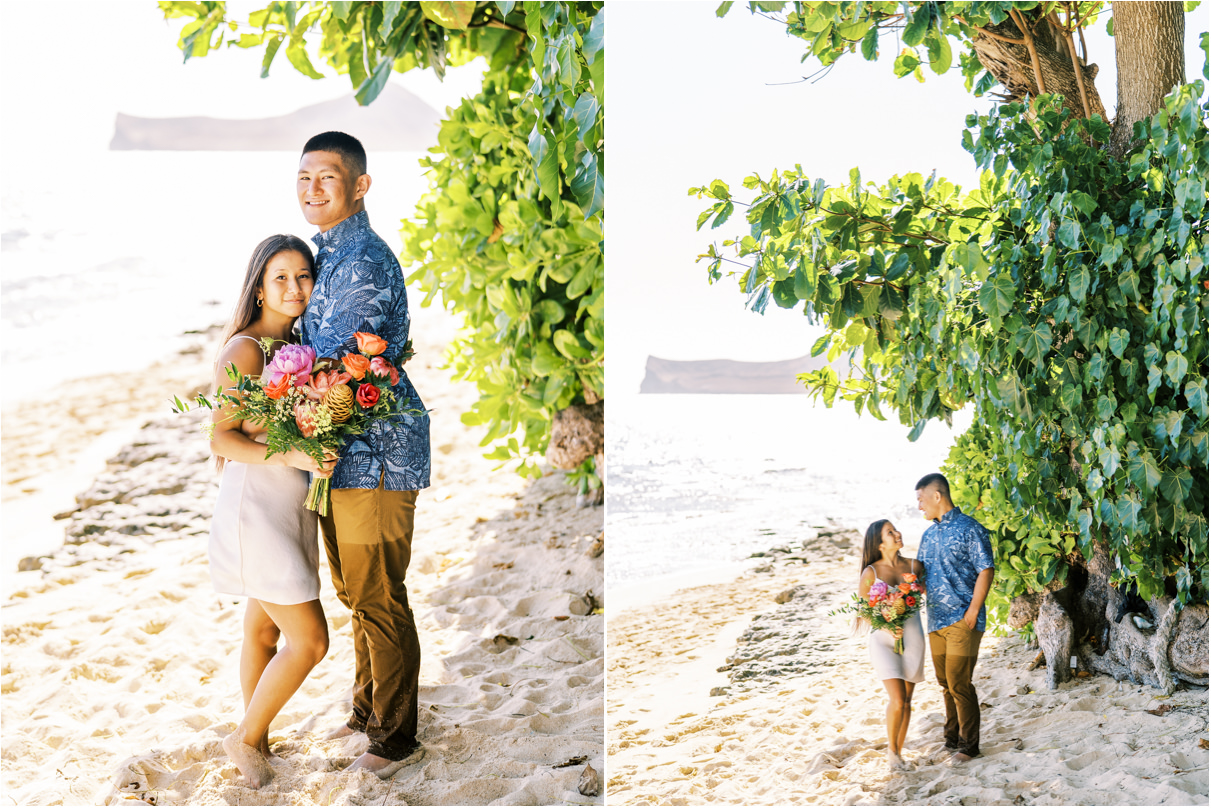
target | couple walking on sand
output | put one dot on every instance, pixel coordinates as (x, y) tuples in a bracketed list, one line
[(955, 564), (263, 542)]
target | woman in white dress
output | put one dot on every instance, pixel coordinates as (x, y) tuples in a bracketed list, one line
[(263, 542), (899, 673)]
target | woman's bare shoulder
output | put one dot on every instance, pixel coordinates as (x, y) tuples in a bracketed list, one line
[(246, 354)]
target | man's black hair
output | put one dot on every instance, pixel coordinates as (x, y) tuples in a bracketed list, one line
[(353, 155), (936, 480)]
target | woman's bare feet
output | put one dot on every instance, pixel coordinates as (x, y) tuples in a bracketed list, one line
[(895, 762), (249, 760)]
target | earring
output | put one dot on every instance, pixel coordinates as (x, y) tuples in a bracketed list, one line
[(259, 302)]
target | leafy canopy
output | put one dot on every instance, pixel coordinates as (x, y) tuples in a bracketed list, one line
[(510, 233), (1064, 299)]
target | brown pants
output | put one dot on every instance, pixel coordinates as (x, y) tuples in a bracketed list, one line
[(368, 537), (954, 650)]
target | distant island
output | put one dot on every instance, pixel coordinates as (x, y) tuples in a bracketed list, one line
[(397, 121), (726, 375)]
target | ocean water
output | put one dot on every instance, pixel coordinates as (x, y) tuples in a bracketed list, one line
[(696, 481), (106, 258)]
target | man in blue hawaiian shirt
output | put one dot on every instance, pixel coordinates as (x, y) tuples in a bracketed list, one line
[(957, 556), (359, 286)]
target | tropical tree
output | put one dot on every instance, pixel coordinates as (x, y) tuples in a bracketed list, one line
[(1064, 300), (510, 234)]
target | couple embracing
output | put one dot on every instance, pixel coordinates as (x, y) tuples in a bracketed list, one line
[(955, 563), (263, 541)]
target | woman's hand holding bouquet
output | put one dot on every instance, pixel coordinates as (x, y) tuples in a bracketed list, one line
[(311, 405), (888, 608)]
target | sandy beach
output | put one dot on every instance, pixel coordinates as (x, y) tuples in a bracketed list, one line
[(119, 677), (796, 716)]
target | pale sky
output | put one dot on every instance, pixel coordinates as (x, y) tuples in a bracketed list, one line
[(691, 99), (63, 79)]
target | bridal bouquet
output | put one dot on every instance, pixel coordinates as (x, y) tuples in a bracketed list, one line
[(313, 404), (888, 607)]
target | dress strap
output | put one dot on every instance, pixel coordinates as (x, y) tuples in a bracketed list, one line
[(245, 336)]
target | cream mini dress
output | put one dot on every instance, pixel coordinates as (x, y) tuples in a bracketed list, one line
[(263, 543)]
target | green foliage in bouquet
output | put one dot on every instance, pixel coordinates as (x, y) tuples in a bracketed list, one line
[(510, 234), (1065, 300)]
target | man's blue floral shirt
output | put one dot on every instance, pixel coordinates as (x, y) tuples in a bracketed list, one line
[(360, 287), (954, 550)]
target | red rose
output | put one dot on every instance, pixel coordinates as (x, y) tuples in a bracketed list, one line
[(367, 396), (910, 600), (279, 388)]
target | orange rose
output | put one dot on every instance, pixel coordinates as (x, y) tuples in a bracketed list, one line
[(370, 344), (356, 365), (905, 588), (279, 388), (909, 578)]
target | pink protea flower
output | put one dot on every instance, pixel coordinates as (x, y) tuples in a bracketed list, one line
[(304, 417), (290, 360), (323, 381), (877, 590)]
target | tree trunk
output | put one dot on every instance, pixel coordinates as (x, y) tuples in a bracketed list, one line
[(1014, 65), (1080, 621), (1150, 55)]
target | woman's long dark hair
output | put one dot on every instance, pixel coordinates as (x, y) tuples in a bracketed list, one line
[(870, 554), (247, 311), (870, 546)]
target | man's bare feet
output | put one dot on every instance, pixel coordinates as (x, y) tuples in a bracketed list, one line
[(958, 759), (380, 766), (251, 763), (343, 731)]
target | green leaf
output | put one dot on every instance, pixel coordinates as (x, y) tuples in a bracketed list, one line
[(724, 8), (940, 56), (271, 50), (917, 26), (454, 14), (870, 44), (1175, 367), (374, 83), (1035, 340), (1078, 284), (1196, 396), (588, 186), (1175, 485), (585, 114), (297, 54), (997, 296), (568, 345), (1069, 234), (594, 41), (1144, 472), (1118, 340)]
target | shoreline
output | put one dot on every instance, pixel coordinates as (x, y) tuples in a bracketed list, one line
[(120, 675), (744, 692)]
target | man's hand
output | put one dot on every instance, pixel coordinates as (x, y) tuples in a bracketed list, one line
[(970, 618)]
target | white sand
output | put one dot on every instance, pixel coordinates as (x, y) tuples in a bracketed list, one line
[(120, 673), (820, 738)]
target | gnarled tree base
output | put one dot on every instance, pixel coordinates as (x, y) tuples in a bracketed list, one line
[(1079, 621)]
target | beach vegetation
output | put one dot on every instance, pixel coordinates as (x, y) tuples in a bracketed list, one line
[(1063, 299), (510, 234)]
